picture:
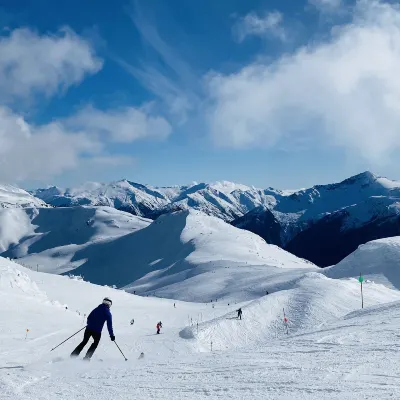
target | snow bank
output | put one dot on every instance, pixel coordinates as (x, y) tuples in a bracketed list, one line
[(13, 281), (378, 260)]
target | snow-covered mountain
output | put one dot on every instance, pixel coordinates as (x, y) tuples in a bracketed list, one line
[(13, 197), (185, 255), (225, 200), (49, 237), (323, 224), (327, 222)]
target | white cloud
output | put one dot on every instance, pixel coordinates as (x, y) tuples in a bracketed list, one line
[(123, 125), (268, 26), (29, 152), (33, 64), (344, 92), (326, 5), (43, 64)]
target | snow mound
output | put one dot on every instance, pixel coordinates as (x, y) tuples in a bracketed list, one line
[(314, 301), (15, 282), (378, 260)]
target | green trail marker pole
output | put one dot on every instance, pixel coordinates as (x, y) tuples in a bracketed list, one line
[(361, 280)]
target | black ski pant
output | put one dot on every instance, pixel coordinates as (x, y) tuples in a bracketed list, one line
[(88, 334)]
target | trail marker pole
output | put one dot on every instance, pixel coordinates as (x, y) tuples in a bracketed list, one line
[(361, 280), (285, 321), (26, 336), (211, 345)]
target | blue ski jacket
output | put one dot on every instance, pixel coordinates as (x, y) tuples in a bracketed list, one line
[(97, 317)]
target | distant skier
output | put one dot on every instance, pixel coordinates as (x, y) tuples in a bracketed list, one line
[(239, 313), (95, 323), (159, 326), (132, 321)]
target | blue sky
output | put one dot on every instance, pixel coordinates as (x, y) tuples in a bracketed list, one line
[(268, 93)]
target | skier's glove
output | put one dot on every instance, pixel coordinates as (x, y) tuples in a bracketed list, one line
[(112, 338)]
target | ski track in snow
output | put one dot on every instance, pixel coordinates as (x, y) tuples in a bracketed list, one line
[(289, 369)]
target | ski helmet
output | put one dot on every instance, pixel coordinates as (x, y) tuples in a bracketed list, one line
[(107, 302)]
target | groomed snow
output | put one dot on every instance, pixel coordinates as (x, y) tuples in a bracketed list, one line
[(333, 350)]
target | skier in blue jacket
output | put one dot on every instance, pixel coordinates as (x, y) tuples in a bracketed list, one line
[(95, 323)]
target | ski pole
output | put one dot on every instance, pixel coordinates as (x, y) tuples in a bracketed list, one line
[(120, 351), (68, 338)]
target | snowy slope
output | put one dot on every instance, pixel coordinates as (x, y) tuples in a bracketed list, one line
[(186, 255), (334, 350), (51, 236), (189, 256), (13, 197), (225, 200), (313, 300), (378, 260)]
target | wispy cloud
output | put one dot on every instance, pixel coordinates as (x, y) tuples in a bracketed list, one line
[(343, 92), (168, 76), (326, 6), (269, 26)]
